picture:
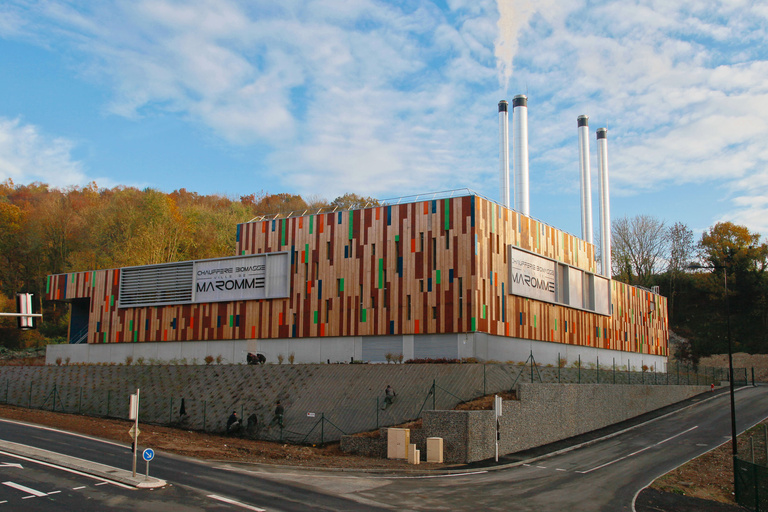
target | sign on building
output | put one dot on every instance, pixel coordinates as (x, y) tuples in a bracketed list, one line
[(536, 277), (259, 276)]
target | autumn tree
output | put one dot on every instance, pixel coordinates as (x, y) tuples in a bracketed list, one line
[(638, 248), (738, 256)]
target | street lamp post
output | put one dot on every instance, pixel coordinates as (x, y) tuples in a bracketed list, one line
[(734, 448)]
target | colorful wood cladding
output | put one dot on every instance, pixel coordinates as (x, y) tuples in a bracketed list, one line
[(427, 267), (639, 320)]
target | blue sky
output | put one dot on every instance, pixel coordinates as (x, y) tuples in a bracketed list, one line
[(389, 99)]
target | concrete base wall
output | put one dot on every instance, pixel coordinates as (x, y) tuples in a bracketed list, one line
[(342, 349)]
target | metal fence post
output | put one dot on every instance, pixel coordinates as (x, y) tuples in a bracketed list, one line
[(434, 393), (765, 443), (558, 367), (54, 397), (530, 358), (579, 368), (377, 412), (322, 428), (484, 393), (614, 370)]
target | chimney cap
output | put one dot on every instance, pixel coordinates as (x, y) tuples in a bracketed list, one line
[(602, 133), (503, 106), (521, 100), (583, 120)]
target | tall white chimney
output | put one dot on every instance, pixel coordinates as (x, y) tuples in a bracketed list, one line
[(605, 203), (504, 152), (586, 179), (520, 152)]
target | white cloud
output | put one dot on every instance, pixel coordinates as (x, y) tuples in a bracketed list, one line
[(26, 155), (378, 97)]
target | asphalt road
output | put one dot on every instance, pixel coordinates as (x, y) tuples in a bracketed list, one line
[(603, 476)]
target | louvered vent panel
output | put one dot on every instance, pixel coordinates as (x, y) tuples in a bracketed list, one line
[(156, 285)]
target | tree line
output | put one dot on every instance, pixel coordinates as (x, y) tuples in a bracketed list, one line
[(44, 230), (693, 275)]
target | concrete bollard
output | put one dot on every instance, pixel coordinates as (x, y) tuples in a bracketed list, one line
[(414, 455)]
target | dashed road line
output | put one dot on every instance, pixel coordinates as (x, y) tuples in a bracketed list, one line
[(237, 503), (78, 488), (638, 451)]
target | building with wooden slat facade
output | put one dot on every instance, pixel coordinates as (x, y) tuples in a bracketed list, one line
[(456, 277)]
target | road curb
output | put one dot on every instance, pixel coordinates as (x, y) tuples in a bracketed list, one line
[(84, 466)]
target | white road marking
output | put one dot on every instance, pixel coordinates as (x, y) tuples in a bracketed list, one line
[(542, 467), (10, 465), (102, 483), (73, 471), (78, 488), (53, 492), (62, 432), (424, 477), (24, 488), (237, 503), (638, 451), (558, 469)]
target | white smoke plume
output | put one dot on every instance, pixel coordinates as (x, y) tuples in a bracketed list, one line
[(513, 15)]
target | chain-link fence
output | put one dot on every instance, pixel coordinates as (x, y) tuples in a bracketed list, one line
[(315, 416), (751, 469), (751, 485)]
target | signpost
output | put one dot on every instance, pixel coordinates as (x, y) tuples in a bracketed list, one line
[(133, 414), (497, 414), (148, 455)]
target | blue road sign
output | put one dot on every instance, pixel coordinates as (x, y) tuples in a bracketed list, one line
[(148, 454)]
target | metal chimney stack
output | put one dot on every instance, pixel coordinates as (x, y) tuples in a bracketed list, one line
[(520, 152), (504, 152), (605, 203), (586, 181)]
